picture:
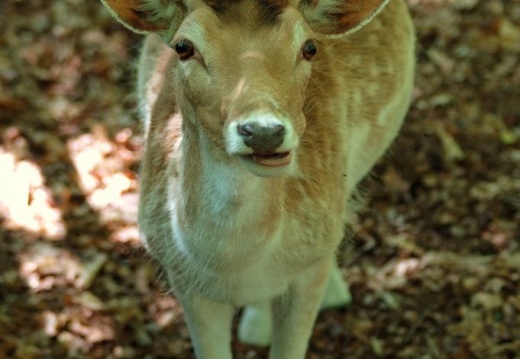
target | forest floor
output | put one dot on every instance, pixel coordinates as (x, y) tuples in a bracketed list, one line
[(434, 259)]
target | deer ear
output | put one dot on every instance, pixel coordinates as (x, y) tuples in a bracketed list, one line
[(339, 17), (144, 16)]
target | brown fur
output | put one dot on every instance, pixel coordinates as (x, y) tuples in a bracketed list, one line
[(269, 12), (245, 238)]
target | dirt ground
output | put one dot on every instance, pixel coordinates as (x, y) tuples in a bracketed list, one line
[(434, 259)]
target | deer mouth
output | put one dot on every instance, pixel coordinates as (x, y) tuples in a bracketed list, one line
[(277, 159)]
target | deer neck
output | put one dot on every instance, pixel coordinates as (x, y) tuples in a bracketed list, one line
[(223, 208)]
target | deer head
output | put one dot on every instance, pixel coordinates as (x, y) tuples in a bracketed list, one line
[(242, 67)]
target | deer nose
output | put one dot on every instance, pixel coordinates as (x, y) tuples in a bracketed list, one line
[(262, 138)]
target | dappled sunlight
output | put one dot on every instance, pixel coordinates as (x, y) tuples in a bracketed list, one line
[(83, 317), (25, 201), (395, 274), (78, 318), (74, 281), (109, 187), (80, 331), (434, 270), (45, 267), (77, 328)]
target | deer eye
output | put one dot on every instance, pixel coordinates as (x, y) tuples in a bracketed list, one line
[(184, 49), (309, 49)]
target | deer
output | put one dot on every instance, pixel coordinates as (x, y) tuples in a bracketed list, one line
[(260, 119)]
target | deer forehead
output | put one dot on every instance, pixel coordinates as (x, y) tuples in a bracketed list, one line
[(246, 28), (264, 11)]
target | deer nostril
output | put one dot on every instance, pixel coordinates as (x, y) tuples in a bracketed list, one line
[(246, 130), (278, 130)]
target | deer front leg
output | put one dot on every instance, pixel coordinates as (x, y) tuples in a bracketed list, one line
[(255, 324), (209, 324), (295, 312)]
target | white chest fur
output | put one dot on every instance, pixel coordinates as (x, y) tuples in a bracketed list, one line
[(219, 232)]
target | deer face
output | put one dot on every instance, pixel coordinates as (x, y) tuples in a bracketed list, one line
[(242, 66), (241, 76)]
